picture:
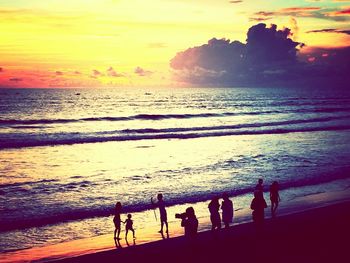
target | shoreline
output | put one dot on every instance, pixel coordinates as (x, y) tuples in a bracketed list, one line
[(315, 235), (148, 236)]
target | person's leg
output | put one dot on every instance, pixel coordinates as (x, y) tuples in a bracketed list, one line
[(212, 222), (274, 208), (118, 233), (276, 205), (115, 233), (126, 234), (271, 207), (161, 226), (133, 233), (166, 225)]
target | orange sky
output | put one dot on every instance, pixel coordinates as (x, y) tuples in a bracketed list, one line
[(130, 42)]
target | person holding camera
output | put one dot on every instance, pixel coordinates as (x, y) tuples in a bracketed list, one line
[(189, 222)]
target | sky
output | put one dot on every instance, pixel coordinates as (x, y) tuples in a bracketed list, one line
[(98, 43)]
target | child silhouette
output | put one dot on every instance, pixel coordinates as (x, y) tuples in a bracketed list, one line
[(129, 226)]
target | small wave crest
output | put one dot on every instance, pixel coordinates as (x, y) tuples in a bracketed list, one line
[(155, 117), (74, 138)]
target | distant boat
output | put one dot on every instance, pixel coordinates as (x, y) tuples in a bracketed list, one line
[(147, 93), (77, 94)]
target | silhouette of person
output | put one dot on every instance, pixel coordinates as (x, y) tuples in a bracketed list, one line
[(274, 197), (190, 223), (129, 226), (258, 206), (116, 220), (214, 213), (227, 210), (162, 212), (259, 187)]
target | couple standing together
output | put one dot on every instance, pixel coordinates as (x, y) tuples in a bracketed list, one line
[(227, 212), (258, 204)]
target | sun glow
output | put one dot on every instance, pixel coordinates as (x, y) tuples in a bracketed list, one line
[(40, 38)]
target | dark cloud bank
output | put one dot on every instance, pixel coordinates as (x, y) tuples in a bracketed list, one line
[(269, 58)]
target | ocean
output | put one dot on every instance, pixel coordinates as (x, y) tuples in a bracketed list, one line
[(67, 155)]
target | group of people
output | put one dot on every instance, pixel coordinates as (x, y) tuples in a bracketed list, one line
[(117, 222), (227, 212), (259, 204), (189, 219)]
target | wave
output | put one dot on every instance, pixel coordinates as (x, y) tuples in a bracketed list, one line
[(107, 210), (237, 126), (155, 117), (28, 183), (76, 138), (133, 117)]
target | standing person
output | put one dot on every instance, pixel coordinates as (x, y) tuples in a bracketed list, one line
[(162, 212), (129, 226), (258, 206), (116, 220), (274, 197), (259, 187), (227, 210), (214, 213)]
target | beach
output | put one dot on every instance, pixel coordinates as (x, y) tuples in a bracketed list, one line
[(135, 116), (317, 235), (66, 161), (319, 217)]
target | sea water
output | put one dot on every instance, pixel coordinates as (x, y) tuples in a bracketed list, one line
[(67, 155)]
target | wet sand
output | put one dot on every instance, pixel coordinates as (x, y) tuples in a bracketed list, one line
[(317, 235), (149, 238)]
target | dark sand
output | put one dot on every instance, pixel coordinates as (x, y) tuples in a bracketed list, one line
[(318, 235)]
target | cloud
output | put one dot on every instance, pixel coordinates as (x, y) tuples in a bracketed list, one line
[(1, 69), (268, 58), (330, 30), (259, 19), (235, 1), (294, 28), (95, 73), (77, 72), (112, 73), (335, 14), (16, 79), (343, 12), (59, 73), (142, 72), (299, 9), (290, 11)]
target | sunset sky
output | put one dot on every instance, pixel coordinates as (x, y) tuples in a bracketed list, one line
[(73, 43)]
